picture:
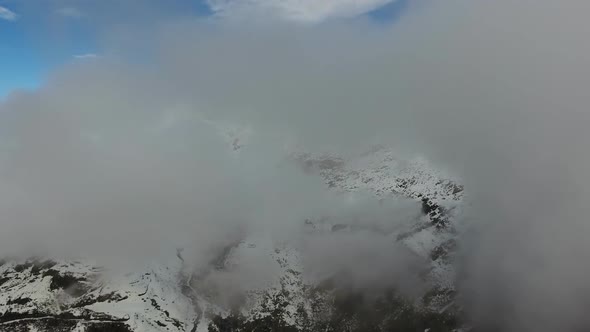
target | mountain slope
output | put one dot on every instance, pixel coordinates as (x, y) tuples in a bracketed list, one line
[(57, 295)]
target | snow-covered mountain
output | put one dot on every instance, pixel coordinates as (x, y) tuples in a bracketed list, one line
[(42, 294)]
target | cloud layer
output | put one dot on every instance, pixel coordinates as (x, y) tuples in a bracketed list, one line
[(296, 10), (7, 14), (118, 157)]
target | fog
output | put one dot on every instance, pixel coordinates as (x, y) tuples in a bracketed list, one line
[(127, 155)]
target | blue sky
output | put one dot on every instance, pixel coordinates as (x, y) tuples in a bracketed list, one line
[(20, 65), (38, 36), (37, 41)]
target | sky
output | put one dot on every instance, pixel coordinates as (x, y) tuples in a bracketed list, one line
[(36, 37)]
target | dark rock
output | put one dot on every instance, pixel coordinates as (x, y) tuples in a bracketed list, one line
[(108, 297), (338, 227), (38, 266), (21, 267), (59, 281), (20, 300)]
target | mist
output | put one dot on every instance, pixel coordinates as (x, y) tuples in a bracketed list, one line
[(128, 155)]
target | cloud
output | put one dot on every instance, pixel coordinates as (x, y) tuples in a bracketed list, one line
[(70, 12), (125, 151), (86, 56), (7, 14), (295, 10)]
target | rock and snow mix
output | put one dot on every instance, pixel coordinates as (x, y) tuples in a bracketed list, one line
[(48, 295)]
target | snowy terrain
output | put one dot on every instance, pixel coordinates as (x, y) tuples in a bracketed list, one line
[(54, 295)]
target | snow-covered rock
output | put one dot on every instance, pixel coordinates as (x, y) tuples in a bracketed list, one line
[(57, 295)]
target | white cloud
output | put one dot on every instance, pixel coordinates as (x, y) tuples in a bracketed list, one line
[(86, 56), (69, 12), (295, 10), (7, 14)]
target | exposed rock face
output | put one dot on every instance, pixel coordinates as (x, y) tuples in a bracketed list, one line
[(57, 295)]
